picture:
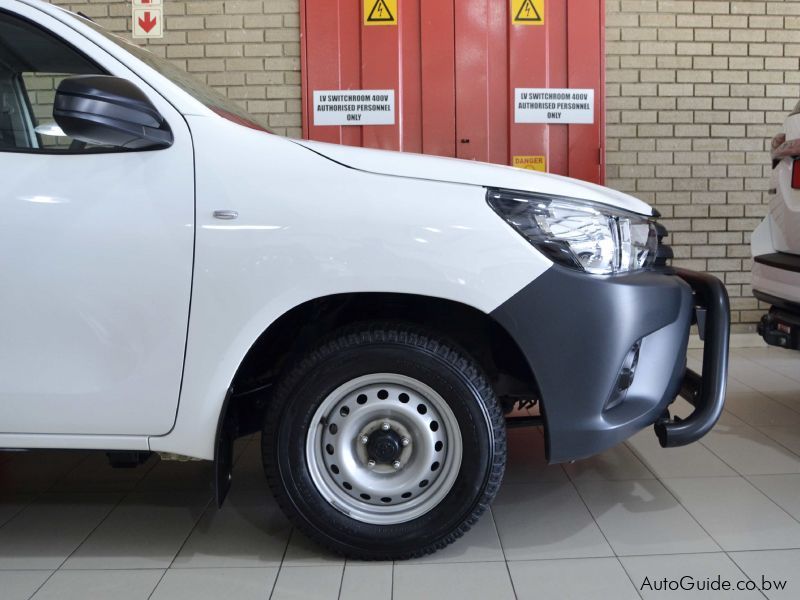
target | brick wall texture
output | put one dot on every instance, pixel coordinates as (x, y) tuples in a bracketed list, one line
[(696, 89)]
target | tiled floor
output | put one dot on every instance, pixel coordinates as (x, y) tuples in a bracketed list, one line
[(71, 527)]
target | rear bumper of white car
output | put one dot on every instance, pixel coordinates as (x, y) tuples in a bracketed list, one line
[(776, 281)]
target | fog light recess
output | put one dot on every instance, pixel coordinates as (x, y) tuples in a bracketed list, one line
[(625, 378)]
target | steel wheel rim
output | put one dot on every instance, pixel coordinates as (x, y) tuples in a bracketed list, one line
[(382, 493)]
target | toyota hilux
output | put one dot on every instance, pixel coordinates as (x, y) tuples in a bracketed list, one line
[(173, 276)]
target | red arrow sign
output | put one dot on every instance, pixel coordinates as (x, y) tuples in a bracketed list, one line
[(148, 22)]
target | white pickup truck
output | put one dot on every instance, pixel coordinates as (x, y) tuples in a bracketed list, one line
[(776, 242), (173, 276)]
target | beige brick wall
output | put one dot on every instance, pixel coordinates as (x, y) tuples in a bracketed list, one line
[(247, 49), (696, 89)]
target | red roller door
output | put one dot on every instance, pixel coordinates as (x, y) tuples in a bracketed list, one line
[(454, 66)]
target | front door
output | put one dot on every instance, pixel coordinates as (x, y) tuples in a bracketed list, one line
[(96, 250)]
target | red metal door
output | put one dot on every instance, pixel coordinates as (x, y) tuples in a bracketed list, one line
[(454, 66)]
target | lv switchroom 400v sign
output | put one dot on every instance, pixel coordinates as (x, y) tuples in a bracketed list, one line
[(354, 107), (552, 105)]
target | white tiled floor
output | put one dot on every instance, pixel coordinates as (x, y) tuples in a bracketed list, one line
[(71, 527)]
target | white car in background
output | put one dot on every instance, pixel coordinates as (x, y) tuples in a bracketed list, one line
[(173, 276), (776, 242)]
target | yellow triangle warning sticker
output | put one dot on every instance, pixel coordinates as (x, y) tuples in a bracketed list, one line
[(527, 12), (380, 12)]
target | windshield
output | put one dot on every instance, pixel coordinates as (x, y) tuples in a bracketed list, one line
[(209, 97)]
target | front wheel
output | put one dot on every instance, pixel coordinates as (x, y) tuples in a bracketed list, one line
[(385, 442)]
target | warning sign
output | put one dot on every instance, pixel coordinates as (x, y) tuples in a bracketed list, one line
[(354, 107), (380, 12), (527, 12), (532, 163), (551, 105), (148, 19)]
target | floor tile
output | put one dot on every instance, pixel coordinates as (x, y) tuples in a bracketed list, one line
[(694, 460), (465, 581), (642, 517), (145, 531), (100, 585), (47, 531), (248, 531), (213, 584), (546, 520), (647, 572), (784, 490), (600, 579), (248, 471), (366, 581), (616, 464), (20, 585), (786, 362), (736, 514), (302, 551), (769, 569), (12, 504), (526, 461), (95, 474), (757, 408), (320, 582), (479, 544), (37, 470), (788, 437), (750, 452), (767, 376)]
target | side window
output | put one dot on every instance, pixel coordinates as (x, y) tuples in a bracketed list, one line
[(32, 64)]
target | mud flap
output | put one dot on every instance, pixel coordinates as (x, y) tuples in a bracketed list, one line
[(223, 455)]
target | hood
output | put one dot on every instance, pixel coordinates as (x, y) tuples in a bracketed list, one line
[(451, 170)]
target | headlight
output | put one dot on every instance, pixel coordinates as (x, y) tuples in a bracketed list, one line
[(579, 234)]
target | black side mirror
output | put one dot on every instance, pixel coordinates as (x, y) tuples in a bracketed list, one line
[(110, 111)]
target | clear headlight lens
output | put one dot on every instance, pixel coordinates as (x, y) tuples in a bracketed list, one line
[(579, 234)]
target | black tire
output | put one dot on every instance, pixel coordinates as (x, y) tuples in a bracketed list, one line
[(411, 352)]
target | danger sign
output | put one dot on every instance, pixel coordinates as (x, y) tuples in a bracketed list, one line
[(532, 163), (380, 12), (527, 12), (148, 19), (551, 105), (354, 107)]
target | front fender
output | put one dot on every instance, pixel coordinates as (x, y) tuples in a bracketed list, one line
[(307, 228)]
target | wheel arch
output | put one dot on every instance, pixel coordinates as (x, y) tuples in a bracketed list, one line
[(290, 335)]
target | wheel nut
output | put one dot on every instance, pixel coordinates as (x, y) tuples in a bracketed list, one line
[(386, 427), (396, 464), (405, 442), (364, 440), (370, 463)]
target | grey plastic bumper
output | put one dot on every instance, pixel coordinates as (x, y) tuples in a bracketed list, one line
[(576, 332)]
